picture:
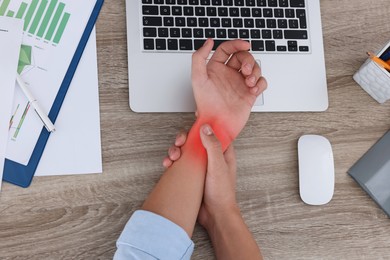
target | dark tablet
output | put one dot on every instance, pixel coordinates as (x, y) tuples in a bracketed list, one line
[(372, 172)]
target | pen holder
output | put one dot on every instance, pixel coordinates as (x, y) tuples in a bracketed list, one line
[(374, 79)]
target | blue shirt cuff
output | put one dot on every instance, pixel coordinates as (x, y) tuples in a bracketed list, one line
[(149, 235)]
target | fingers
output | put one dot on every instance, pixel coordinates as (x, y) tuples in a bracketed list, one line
[(174, 152), (199, 61), (227, 48), (215, 157), (261, 85)]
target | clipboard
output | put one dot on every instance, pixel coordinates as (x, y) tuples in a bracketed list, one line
[(22, 175)]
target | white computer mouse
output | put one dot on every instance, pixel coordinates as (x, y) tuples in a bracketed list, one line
[(316, 169)]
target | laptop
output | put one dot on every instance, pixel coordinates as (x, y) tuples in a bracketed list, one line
[(285, 36)]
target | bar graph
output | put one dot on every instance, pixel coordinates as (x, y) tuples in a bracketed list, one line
[(45, 19)]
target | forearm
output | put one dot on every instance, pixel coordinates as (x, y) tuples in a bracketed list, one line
[(178, 194), (231, 238)]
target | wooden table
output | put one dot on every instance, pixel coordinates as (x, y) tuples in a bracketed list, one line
[(80, 217)]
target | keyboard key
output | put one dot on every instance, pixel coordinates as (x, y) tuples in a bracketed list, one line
[(192, 22), (271, 23), (221, 33), (163, 32), (177, 10), (223, 11), (193, 2), (260, 23), (279, 13), (301, 15), (295, 34), (281, 48), (210, 33), (168, 21), (161, 44), (234, 12), (261, 3), (181, 2), (292, 45), (174, 32), (250, 3), (188, 11), (203, 22), (272, 3), (186, 33), (277, 34), (227, 2), (293, 24), (226, 22), (170, 2), (267, 12), (304, 48), (257, 45), (244, 33), (211, 11), (255, 34), (149, 10), (158, 2), (282, 23), (198, 33), (150, 32), (297, 3), (233, 33), (217, 43), (198, 44), (216, 2), (239, 2), (205, 2), (215, 22), (180, 21), (249, 23), (289, 13), (283, 3), (148, 44), (237, 22), (256, 12), (200, 11), (173, 44), (147, 1), (267, 34), (185, 45), (165, 10), (270, 45), (245, 12), (152, 21)]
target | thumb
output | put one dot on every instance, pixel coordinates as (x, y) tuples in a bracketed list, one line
[(213, 147), (199, 61)]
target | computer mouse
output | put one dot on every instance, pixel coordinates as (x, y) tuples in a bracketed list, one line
[(316, 169)]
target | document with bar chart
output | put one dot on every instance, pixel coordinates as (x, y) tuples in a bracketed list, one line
[(52, 32)]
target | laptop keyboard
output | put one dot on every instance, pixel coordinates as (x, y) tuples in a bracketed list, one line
[(184, 25)]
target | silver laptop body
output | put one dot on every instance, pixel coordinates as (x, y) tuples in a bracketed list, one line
[(286, 38)]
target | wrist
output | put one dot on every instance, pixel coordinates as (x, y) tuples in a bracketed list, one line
[(221, 218)]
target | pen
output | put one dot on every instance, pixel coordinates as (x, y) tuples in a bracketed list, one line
[(379, 61), (34, 103)]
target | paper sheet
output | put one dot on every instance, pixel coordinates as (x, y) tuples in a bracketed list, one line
[(75, 148), (10, 41), (52, 32)]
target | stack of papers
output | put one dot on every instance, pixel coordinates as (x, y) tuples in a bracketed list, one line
[(10, 40)]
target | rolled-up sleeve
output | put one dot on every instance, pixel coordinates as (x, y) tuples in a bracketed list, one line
[(150, 236)]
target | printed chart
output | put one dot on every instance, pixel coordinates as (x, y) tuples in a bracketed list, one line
[(44, 19)]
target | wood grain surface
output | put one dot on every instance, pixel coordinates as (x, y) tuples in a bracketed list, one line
[(80, 217)]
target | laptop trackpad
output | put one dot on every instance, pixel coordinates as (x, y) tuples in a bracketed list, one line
[(259, 101)]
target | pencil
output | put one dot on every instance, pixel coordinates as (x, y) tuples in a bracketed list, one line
[(379, 61)]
